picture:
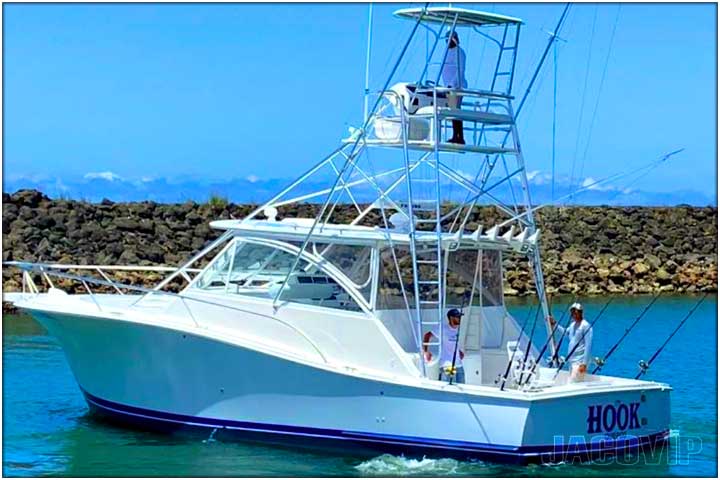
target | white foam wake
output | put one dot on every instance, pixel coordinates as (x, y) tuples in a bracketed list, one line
[(391, 465)]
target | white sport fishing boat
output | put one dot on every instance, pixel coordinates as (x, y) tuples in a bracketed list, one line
[(311, 329)]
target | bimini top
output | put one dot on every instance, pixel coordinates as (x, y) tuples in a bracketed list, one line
[(297, 229), (471, 18)]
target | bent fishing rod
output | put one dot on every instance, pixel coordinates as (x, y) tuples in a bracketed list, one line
[(517, 343), (592, 324), (547, 342), (644, 366), (600, 362)]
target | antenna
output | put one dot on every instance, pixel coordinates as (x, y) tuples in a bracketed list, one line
[(367, 61)]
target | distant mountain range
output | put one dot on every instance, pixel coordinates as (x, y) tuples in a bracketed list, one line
[(96, 186)]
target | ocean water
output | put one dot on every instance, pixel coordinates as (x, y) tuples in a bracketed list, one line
[(47, 430)]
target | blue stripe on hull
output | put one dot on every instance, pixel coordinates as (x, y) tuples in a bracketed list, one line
[(372, 442)]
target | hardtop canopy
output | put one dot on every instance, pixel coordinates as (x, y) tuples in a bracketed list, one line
[(465, 17), (298, 229)]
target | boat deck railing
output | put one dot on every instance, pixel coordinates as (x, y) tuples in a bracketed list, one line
[(487, 117), (29, 285), (30, 289)]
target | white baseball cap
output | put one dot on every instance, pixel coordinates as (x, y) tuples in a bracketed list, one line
[(576, 306)]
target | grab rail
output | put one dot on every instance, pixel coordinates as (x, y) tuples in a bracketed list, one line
[(101, 269)]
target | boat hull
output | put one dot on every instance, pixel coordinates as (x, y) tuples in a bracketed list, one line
[(340, 441), (173, 379)]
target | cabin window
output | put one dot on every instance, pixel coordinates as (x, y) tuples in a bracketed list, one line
[(462, 277), (390, 295), (259, 270), (461, 272), (352, 260), (492, 279), (394, 290), (216, 274)]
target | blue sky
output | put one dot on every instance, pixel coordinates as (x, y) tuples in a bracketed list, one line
[(226, 91)]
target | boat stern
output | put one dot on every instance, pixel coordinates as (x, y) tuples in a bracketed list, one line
[(591, 421)]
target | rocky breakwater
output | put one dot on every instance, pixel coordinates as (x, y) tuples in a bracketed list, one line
[(634, 250), (586, 250)]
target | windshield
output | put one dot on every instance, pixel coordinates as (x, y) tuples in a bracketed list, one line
[(259, 270)]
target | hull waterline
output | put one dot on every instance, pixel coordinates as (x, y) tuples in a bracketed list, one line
[(364, 444)]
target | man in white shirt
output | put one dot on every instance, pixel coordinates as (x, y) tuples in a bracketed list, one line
[(579, 335), (450, 343), (453, 76)]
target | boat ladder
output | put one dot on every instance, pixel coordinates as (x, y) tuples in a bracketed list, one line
[(425, 207)]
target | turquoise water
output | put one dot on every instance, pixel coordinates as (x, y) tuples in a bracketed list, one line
[(47, 430)]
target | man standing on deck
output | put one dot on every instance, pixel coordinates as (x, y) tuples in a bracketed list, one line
[(453, 76), (579, 335), (450, 342)]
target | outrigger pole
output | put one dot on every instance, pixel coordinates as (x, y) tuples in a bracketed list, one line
[(553, 38), (644, 366), (535, 259), (600, 362)]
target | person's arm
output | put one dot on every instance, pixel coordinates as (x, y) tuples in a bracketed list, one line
[(461, 68), (426, 338), (559, 328), (588, 347)]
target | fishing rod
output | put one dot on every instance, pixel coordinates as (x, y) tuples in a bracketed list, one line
[(529, 346), (649, 165), (547, 342), (517, 342), (570, 353), (600, 362), (452, 371), (644, 366)]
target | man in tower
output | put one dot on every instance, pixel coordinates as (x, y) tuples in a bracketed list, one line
[(453, 76), (451, 348), (579, 335)]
